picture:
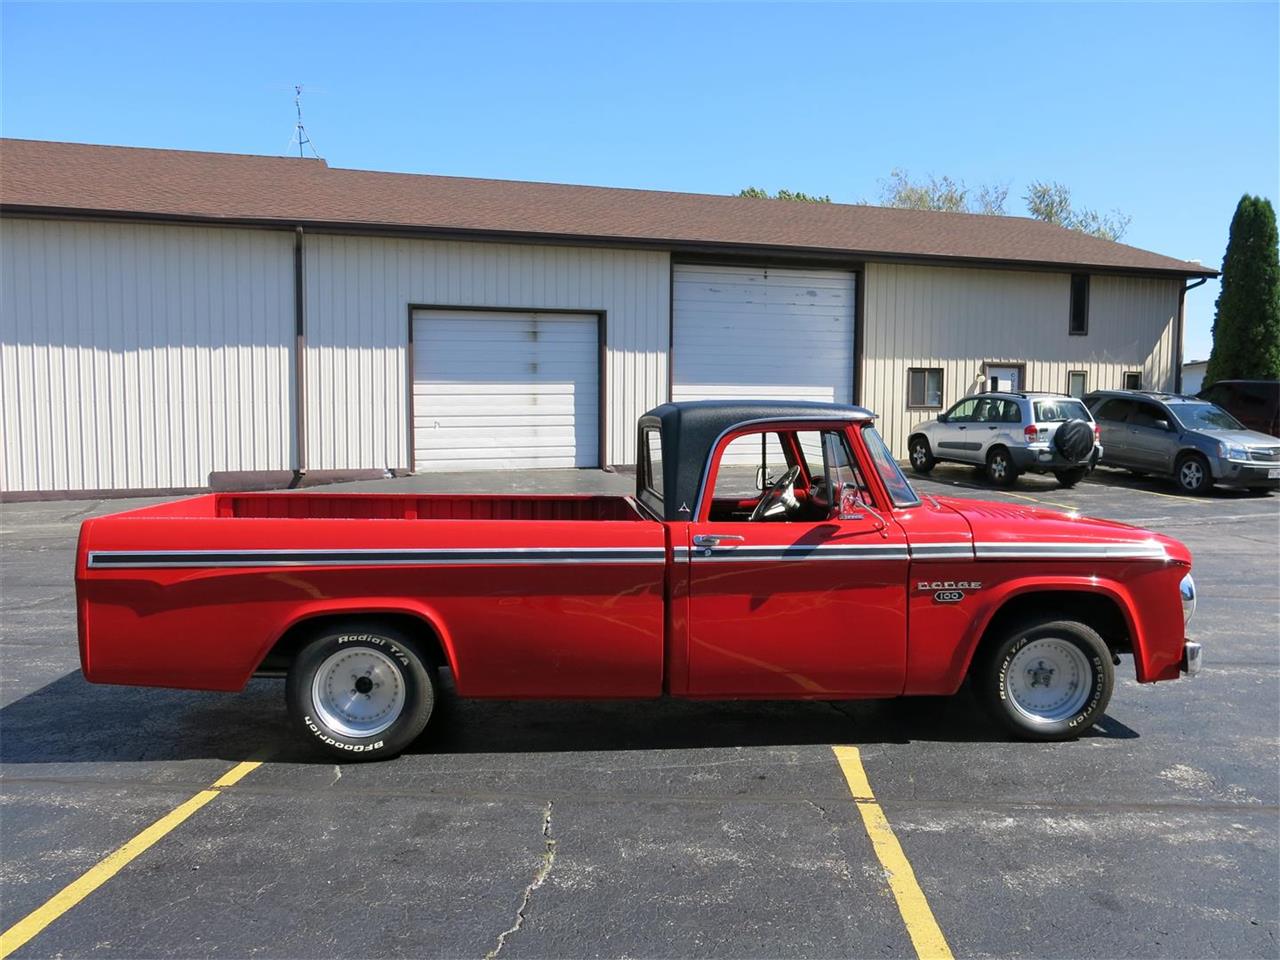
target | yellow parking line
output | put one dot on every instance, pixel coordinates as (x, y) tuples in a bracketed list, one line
[(114, 862), (923, 929), (1023, 496)]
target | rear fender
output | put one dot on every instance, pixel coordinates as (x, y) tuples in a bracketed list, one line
[(367, 606)]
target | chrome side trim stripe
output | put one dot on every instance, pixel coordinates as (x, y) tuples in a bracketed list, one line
[(942, 551), (1141, 550), (804, 552), (128, 559)]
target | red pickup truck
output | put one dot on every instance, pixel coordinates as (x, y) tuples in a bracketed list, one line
[(772, 550)]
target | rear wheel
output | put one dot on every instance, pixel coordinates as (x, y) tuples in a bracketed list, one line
[(1069, 478), (922, 460), (1046, 679), (1000, 468), (1192, 473), (361, 690)]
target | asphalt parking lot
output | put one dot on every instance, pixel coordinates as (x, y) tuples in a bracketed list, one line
[(657, 829)]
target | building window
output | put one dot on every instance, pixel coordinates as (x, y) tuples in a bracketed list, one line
[(1079, 304), (1077, 383), (924, 387), (1132, 380)]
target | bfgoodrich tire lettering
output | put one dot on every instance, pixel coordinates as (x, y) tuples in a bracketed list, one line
[(1046, 679), (391, 707)]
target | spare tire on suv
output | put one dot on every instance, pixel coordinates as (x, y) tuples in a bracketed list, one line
[(1074, 440)]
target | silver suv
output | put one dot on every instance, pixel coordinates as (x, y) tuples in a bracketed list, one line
[(1194, 441), (1011, 433)]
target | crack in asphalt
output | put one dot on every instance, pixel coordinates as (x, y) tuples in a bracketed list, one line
[(833, 831), (539, 877)]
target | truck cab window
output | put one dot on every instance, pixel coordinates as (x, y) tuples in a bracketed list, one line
[(748, 462)]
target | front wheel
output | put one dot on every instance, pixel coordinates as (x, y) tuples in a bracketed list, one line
[(361, 691), (1046, 679)]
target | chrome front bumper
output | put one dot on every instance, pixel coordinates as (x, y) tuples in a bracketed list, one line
[(1191, 658)]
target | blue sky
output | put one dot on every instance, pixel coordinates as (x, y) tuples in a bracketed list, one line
[(1168, 112)]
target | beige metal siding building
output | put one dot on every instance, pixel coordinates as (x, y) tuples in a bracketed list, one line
[(965, 323), (170, 320)]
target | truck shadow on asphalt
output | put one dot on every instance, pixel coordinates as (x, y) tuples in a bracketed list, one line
[(72, 721)]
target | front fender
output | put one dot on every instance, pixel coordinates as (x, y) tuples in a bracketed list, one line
[(943, 637)]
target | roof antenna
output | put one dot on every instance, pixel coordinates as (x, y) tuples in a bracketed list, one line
[(300, 132)]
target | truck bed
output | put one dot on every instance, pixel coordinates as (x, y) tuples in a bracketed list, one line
[(196, 592), (396, 506)]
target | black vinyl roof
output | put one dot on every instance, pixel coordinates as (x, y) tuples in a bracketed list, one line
[(691, 428)]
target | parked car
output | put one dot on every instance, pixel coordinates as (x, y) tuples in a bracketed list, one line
[(837, 581), (1255, 403), (1011, 433), (1196, 443)]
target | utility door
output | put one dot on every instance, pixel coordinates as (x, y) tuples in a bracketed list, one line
[(1008, 379), (787, 596)]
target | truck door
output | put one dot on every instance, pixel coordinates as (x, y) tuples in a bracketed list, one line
[(798, 601)]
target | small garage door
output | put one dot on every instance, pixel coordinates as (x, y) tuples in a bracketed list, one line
[(505, 390), (752, 332)]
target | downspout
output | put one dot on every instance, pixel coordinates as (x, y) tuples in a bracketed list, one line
[(1182, 303), (299, 363)]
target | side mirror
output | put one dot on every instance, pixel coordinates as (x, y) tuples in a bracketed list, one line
[(941, 418), (1162, 424), (760, 477), (851, 505)]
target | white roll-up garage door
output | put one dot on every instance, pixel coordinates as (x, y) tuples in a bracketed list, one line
[(505, 390), (755, 332)]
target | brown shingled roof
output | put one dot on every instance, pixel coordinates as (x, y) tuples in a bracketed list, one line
[(69, 178)]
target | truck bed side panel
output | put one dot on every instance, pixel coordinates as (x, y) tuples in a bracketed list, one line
[(528, 609)]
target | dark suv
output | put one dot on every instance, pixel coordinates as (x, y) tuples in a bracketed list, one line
[(1255, 403), (1195, 442)]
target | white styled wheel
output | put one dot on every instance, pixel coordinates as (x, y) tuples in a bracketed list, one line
[(1048, 680), (1045, 678), (361, 689), (358, 692)]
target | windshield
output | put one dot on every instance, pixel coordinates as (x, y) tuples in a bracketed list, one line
[(900, 489), (1206, 416), (1059, 411)]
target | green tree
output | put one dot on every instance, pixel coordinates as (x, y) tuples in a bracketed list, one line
[(940, 193), (1051, 202), (1246, 323), (757, 193)]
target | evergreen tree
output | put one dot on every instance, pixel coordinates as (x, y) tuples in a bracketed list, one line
[(1246, 325)]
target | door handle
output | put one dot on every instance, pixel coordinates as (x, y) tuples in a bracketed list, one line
[(714, 539)]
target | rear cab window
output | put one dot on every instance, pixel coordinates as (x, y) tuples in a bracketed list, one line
[(651, 478)]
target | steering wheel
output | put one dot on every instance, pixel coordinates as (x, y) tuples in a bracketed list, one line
[(780, 497)]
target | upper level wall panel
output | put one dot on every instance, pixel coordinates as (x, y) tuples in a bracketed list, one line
[(142, 356), (358, 294)]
